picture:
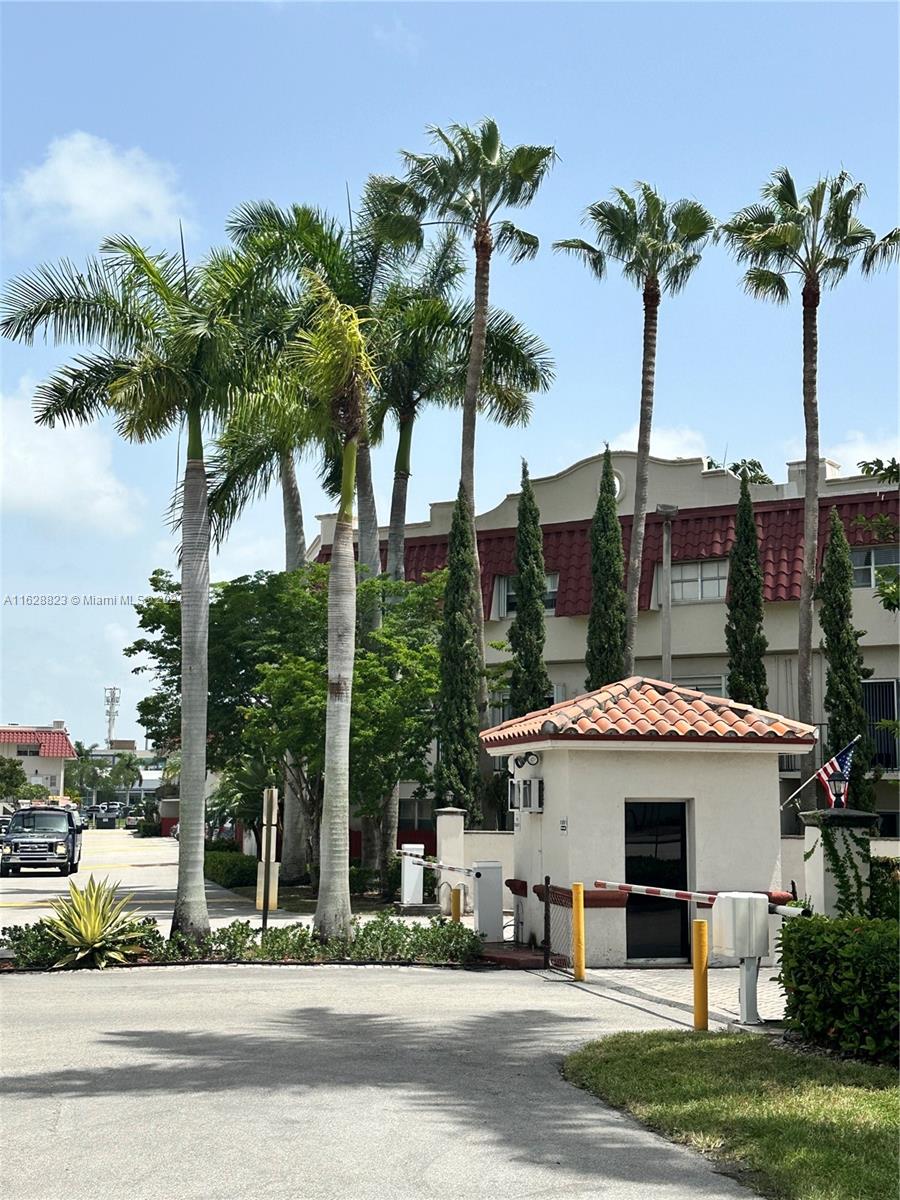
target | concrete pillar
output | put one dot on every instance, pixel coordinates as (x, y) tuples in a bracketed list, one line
[(846, 827), (450, 826)]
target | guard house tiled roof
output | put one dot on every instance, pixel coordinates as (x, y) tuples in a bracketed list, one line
[(697, 534), (53, 743), (652, 711)]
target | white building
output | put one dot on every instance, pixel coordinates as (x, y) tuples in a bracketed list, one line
[(43, 751), (702, 534)]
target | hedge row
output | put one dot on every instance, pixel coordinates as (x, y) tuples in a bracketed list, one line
[(382, 939), (840, 979), (228, 869)]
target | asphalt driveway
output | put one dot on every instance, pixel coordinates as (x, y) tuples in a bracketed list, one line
[(372, 1083)]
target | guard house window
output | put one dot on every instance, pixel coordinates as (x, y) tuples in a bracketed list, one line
[(29, 751), (870, 561), (506, 595), (692, 581)]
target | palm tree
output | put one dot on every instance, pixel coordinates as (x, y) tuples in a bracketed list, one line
[(125, 772), (423, 359), (468, 184), (85, 773), (166, 357), (658, 246), (332, 358), (814, 237)]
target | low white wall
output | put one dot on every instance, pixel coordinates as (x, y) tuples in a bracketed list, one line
[(793, 866), (885, 847), (490, 845)]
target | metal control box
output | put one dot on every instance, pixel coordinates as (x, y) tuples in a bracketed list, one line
[(741, 925)]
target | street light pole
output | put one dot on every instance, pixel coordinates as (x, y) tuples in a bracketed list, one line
[(667, 512)]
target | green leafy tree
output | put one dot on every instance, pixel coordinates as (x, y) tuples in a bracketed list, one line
[(12, 778), (85, 773), (814, 237), (605, 655), (456, 775), (239, 795), (744, 634), (125, 772), (844, 671), (468, 184), (529, 682), (750, 469), (658, 246)]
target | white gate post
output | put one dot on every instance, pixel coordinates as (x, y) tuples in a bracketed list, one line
[(411, 874), (450, 826)]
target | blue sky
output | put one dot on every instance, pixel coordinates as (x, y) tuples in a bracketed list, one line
[(125, 117)]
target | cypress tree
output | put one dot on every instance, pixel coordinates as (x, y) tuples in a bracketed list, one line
[(605, 654), (456, 776), (844, 672), (744, 635), (529, 682)]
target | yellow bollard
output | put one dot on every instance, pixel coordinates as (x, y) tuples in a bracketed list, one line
[(456, 903), (699, 960), (578, 931)]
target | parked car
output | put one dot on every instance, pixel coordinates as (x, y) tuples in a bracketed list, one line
[(41, 837), (92, 810)]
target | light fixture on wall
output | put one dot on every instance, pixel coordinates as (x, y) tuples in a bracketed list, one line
[(532, 759)]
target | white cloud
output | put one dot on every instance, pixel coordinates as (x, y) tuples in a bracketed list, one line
[(63, 474), (88, 187), (242, 554), (677, 442), (856, 447), (399, 38)]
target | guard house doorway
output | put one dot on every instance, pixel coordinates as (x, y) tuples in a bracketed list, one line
[(656, 856)]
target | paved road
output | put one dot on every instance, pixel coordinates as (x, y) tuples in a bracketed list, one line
[(145, 867), (226, 1083)]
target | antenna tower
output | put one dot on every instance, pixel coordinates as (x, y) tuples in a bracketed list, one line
[(111, 695)]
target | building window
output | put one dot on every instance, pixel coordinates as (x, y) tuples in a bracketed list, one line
[(28, 751), (710, 685), (692, 581), (501, 710), (880, 703), (506, 595), (51, 782), (870, 561)]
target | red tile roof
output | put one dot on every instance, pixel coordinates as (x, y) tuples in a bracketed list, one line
[(649, 710), (53, 743), (697, 533)]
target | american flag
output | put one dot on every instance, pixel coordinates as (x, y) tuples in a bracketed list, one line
[(840, 763)]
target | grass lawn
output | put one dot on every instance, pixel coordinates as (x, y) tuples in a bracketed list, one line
[(804, 1127)]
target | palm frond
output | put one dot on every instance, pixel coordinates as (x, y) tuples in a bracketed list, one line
[(766, 285), (515, 242), (882, 253), (592, 256), (77, 392)]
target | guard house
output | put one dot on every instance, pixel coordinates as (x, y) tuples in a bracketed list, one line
[(643, 782)]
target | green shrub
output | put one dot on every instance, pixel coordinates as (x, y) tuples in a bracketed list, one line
[(443, 941), (840, 979), (361, 880), (221, 846), (148, 829), (33, 946), (884, 888), (92, 927), (382, 939), (230, 870), (293, 943)]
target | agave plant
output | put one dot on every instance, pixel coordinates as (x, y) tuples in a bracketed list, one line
[(93, 927)]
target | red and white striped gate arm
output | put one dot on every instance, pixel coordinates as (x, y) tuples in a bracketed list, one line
[(667, 893)]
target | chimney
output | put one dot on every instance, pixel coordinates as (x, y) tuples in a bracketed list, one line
[(59, 724)]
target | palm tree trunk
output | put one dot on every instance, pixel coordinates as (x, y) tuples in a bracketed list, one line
[(294, 537), (293, 848), (397, 528), (636, 548), (369, 542), (332, 917), (483, 249), (191, 916), (370, 830), (811, 294)]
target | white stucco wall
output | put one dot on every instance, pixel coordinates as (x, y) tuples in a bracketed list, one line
[(732, 824), (490, 845)]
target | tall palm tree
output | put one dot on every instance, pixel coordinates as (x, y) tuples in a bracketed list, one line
[(166, 357), (332, 358), (814, 237), (423, 352), (658, 246), (468, 184), (125, 772), (85, 773)]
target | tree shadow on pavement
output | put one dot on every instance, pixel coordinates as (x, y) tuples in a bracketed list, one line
[(492, 1079)]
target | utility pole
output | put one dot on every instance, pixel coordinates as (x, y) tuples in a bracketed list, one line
[(111, 695)]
